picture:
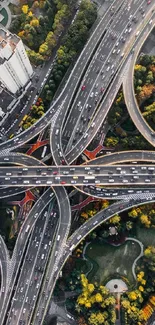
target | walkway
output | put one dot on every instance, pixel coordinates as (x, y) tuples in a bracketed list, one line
[(138, 257), (87, 259), (117, 286)]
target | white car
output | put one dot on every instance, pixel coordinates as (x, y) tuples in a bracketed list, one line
[(73, 182)]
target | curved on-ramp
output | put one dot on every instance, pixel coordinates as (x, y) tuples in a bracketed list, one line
[(129, 93)]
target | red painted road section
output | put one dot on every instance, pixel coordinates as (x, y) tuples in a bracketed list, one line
[(84, 203), (29, 196), (36, 145), (92, 154)]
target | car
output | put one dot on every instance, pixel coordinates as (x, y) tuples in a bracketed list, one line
[(55, 173), (63, 182), (79, 103), (73, 182), (97, 181), (83, 87), (65, 172), (92, 94), (149, 2), (96, 93), (63, 162), (102, 89)]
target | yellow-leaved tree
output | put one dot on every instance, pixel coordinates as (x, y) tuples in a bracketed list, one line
[(25, 9)]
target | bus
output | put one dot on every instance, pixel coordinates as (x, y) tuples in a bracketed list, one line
[(44, 152), (27, 228), (24, 118)]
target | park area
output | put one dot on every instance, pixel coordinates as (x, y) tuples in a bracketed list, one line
[(146, 236), (110, 260)]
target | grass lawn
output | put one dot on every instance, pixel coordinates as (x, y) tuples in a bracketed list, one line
[(109, 260), (146, 236)]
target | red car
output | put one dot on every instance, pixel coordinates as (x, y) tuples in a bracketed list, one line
[(55, 173), (102, 89), (63, 182), (83, 87), (63, 162), (149, 2)]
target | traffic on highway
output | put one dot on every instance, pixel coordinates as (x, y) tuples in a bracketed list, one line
[(46, 238)]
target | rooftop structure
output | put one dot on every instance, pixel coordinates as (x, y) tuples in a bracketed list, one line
[(15, 67)]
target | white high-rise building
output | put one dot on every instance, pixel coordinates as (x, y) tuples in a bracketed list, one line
[(15, 67)]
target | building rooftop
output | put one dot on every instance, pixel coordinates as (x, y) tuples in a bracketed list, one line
[(6, 37)]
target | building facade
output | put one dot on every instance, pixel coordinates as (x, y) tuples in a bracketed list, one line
[(15, 67)]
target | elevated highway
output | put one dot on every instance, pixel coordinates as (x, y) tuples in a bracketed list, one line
[(129, 92), (20, 247), (110, 175), (101, 113)]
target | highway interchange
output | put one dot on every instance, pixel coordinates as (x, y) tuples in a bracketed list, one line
[(43, 246)]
